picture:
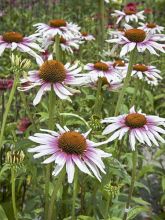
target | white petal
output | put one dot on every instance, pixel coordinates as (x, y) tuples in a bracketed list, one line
[(132, 140), (70, 169)]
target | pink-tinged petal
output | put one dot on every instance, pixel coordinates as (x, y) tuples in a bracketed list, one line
[(49, 159), (57, 169), (152, 138), (114, 136), (80, 164), (43, 153), (58, 93), (132, 110), (40, 140), (39, 148), (110, 128), (2, 48), (70, 169), (60, 128), (102, 153), (96, 160), (62, 89), (54, 133), (75, 72), (39, 95), (158, 137), (61, 157), (93, 168), (39, 60), (124, 50), (87, 133), (13, 46), (132, 140), (122, 132), (145, 137), (160, 130), (139, 136)]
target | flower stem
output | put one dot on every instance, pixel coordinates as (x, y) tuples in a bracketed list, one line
[(48, 167), (74, 194), (57, 184), (134, 161), (57, 47), (135, 92), (107, 206), (11, 96), (97, 106), (13, 192), (102, 22), (126, 81)]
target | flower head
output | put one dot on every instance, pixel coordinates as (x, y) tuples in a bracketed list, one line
[(6, 84), (70, 149), (67, 45), (140, 127), (58, 27), (151, 27), (102, 69), (128, 14), (15, 40), (148, 73), (86, 37), (135, 37), (23, 124), (53, 72)]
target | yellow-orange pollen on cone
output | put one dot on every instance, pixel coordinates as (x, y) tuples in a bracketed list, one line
[(11, 37), (135, 35), (57, 23), (104, 81), (72, 142), (135, 120), (84, 34), (129, 12), (140, 67), (101, 66), (151, 25), (52, 71), (119, 63), (62, 40)]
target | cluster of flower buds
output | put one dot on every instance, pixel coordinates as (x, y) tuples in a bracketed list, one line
[(15, 157), (19, 64), (95, 124), (113, 189)]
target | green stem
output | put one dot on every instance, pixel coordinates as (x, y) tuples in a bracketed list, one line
[(126, 81), (134, 161), (27, 108), (74, 194), (13, 192), (57, 48), (102, 22), (135, 92), (107, 206), (97, 106), (57, 184), (48, 167), (11, 96)]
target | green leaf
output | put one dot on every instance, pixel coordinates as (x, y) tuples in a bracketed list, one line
[(140, 201), (137, 210), (83, 217), (163, 183), (2, 214), (3, 170)]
